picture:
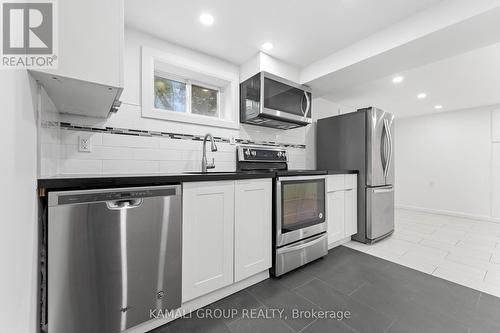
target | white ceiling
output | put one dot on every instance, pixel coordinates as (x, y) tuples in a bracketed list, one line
[(302, 31), (465, 81)]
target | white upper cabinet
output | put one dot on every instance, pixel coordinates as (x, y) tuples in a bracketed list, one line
[(207, 237), (89, 77), (253, 227)]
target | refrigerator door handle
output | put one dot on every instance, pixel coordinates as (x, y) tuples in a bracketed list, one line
[(384, 190), (389, 137), (386, 149)]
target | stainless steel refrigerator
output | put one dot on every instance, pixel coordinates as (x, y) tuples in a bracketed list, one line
[(363, 141)]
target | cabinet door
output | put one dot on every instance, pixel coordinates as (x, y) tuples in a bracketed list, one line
[(351, 212), (335, 216), (91, 41), (253, 227), (335, 183), (207, 239)]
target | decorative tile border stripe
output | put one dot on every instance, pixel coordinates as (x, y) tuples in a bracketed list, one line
[(174, 136)]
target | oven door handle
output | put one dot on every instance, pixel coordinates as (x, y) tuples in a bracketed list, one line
[(302, 245), (282, 179)]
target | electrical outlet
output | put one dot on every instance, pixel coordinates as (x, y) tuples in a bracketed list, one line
[(84, 144), (232, 140)]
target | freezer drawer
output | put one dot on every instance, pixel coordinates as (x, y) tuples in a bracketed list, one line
[(379, 212), (113, 256)]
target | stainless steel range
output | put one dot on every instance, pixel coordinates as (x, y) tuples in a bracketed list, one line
[(299, 219)]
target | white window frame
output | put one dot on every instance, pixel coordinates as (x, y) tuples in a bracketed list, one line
[(177, 68)]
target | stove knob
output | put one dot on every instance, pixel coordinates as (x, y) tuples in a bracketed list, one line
[(254, 153), (247, 152), (280, 154), (283, 154)]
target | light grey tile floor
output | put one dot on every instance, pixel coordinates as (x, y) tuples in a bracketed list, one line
[(460, 250)]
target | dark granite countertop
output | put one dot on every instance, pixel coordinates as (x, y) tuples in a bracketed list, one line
[(341, 172), (93, 181), (79, 182)]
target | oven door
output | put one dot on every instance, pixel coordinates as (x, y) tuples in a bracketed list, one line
[(300, 208)]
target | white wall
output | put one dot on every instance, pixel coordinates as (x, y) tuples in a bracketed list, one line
[(444, 163), (18, 238), (264, 62), (125, 154)]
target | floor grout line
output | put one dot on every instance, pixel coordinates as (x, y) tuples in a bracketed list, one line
[(304, 283), (357, 289), (390, 325), (303, 328)]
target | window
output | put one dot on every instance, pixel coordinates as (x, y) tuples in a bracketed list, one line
[(204, 101), (178, 95), (180, 89), (170, 95)]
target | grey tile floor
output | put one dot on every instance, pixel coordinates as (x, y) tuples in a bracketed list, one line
[(380, 296)]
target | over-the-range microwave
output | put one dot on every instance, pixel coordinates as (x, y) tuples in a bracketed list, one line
[(271, 101)]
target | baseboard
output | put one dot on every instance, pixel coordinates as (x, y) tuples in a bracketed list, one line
[(450, 213), (338, 243), (200, 302)]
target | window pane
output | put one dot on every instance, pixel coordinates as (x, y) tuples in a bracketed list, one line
[(204, 101), (170, 95)]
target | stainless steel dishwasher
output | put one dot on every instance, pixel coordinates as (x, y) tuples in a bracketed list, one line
[(114, 255)]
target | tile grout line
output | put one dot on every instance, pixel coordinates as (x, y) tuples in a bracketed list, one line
[(304, 283), (357, 289), (303, 328), (390, 325)]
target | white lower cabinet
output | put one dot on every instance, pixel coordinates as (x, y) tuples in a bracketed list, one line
[(207, 237), (342, 207), (335, 216), (351, 211), (252, 227), (226, 233)]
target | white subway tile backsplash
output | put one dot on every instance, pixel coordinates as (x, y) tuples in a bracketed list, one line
[(156, 154), (116, 140), (130, 166), (118, 153), (97, 153), (49, 167), (179, 166), (77, 166), (180, 144), (71, 137), (50, 150)]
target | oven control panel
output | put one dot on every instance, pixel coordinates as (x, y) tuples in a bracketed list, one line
[(259, 154)]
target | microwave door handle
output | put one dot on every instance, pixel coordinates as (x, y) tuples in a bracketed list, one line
[(308, 104)]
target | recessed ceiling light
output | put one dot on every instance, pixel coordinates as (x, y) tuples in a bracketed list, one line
[(438, 107), (206, 19), (267, 46), (398, 79), (421, 95)]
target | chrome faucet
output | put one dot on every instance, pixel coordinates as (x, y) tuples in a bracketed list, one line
[(204, 164)]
